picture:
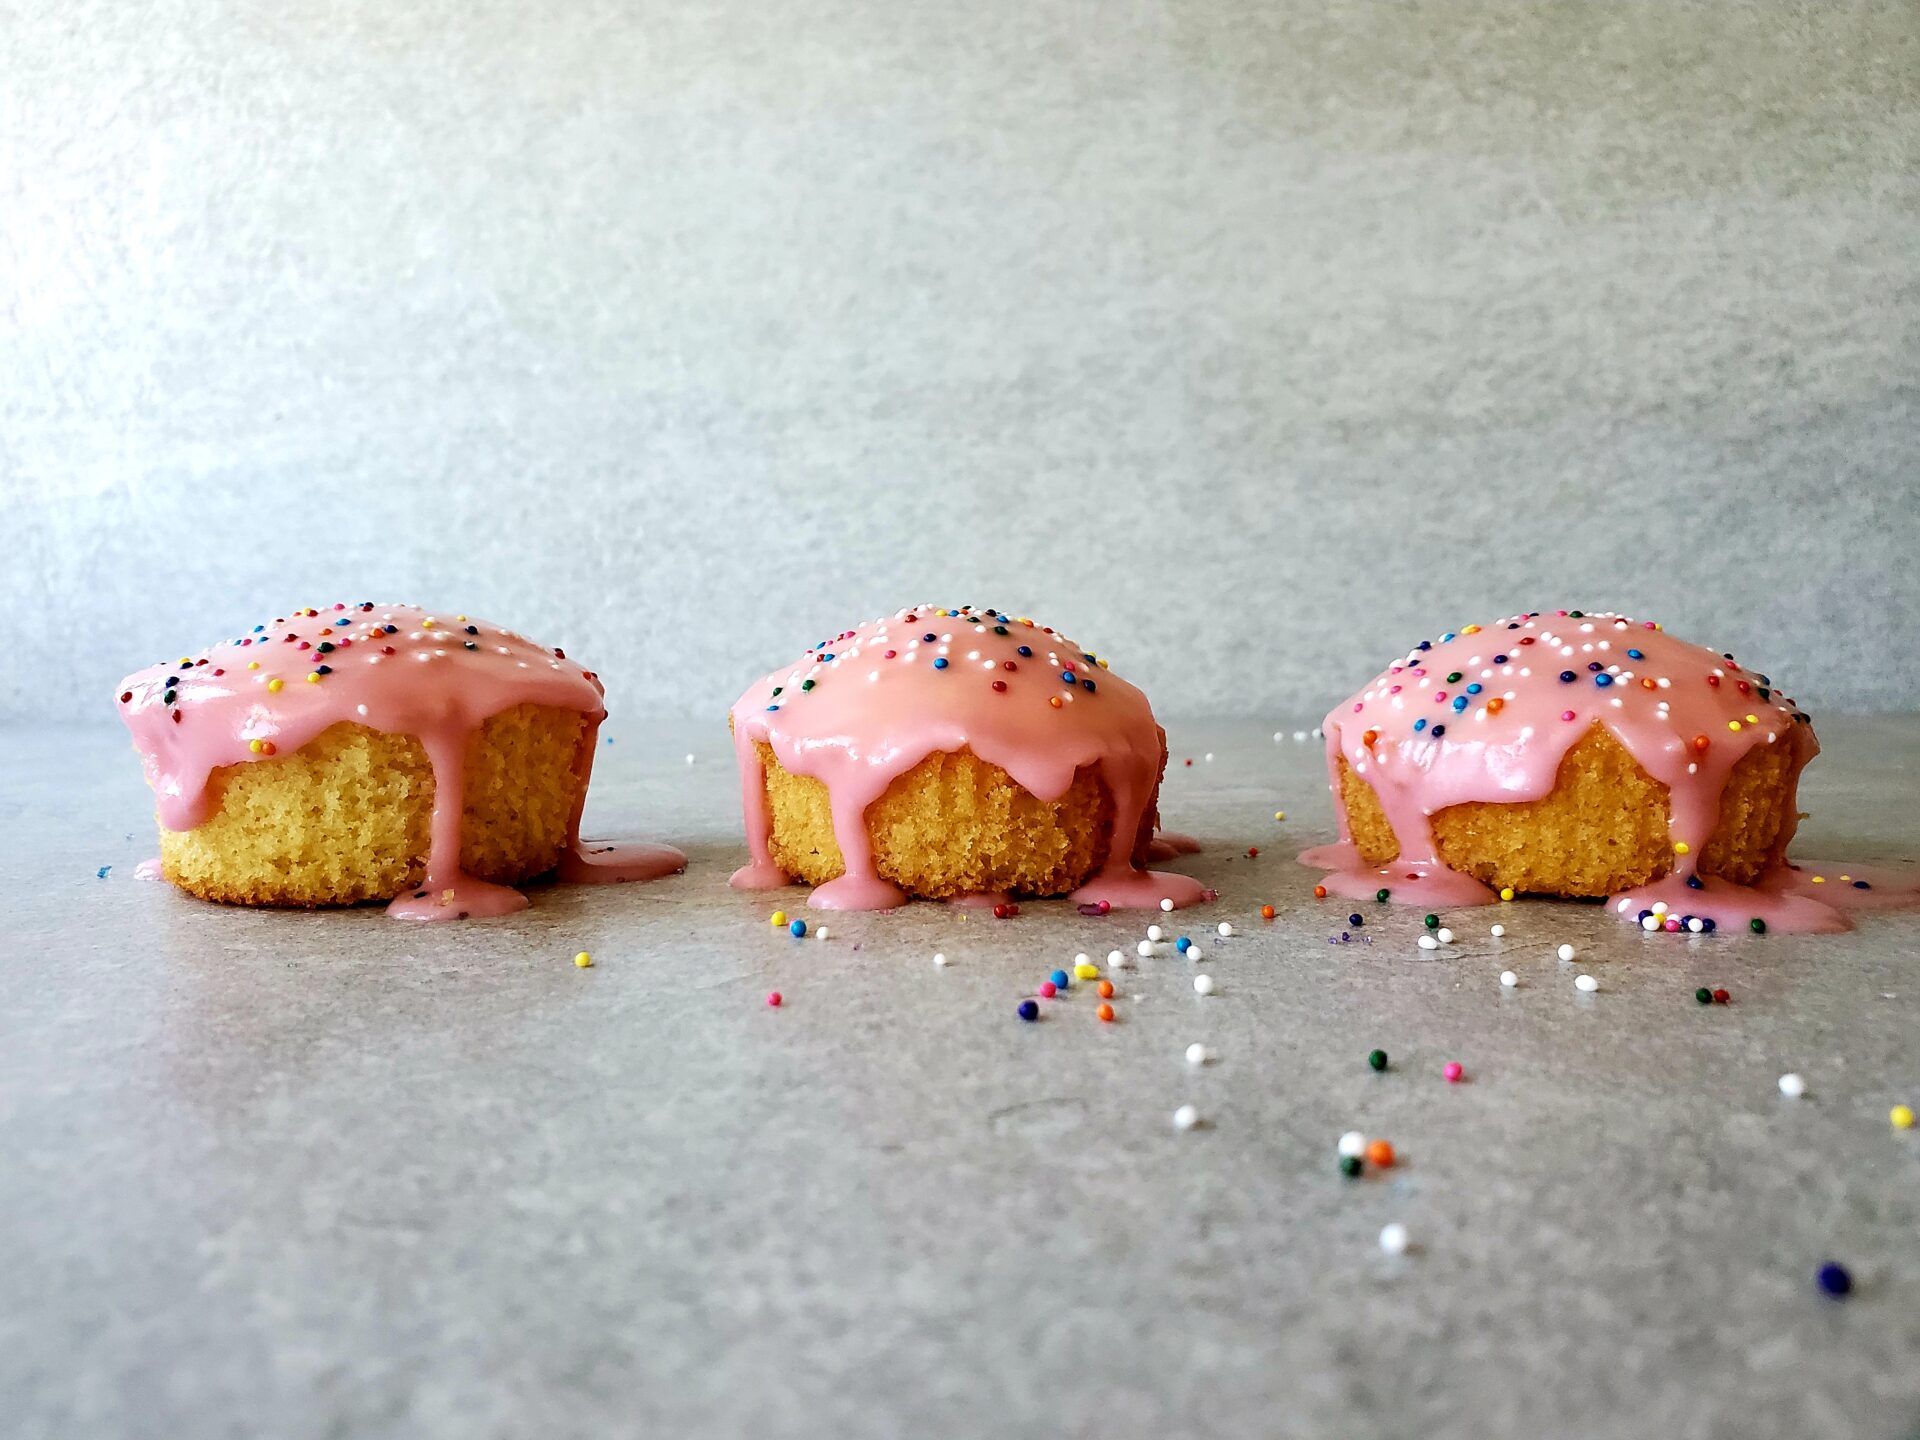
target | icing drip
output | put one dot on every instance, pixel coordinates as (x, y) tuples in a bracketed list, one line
[(860, 710), (1488, 714), (394, 668)]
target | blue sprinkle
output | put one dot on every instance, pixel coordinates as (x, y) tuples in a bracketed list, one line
[(1028, 1010), (929, 637), (1709, 924), (1459, 703), (1446, 637), (471, 629), (1473, 689), (1603, 680), (825, 658), (1183, 944), (344, 623), (1356, 919), (1024, 650), (1861, 885), (1087, 685), (1567, 677), (1438, 731), (258, 628), (1061, 980), (941, 663), (1418, 726), (770, 710), (1500, 659), (1424, 645), (797, 929), (1067, 675), (101, 873), (1635, 655), (1834, 1280), (1644, 914)]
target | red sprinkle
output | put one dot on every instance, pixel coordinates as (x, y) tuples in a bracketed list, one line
[(774, 998)]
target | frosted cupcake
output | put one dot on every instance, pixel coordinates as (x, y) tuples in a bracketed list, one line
[(310, 762), (951, 754)]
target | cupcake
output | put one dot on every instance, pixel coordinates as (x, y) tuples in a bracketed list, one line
[(951, 755), (1570, 754), (308, 763)]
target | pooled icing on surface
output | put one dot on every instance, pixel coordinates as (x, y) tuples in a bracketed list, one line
[(394, 668), (1489, 713), (862, 709)]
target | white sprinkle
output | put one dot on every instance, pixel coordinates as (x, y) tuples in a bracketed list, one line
[(1353, 1144), (689, 759), (1117, 960), (1197, 1054), (1625, 905), (1154, 932), (1427, 942), (1509, 979), (821, 933), (1278, 736), (1185, 1118), (1144, 949), (1497, 931), (1195, 953), (1166, 905), (1299, 735), (1585, 984), (939, 959), (1659, 907), (1203, 984), (1792, 1085), (1652, 922), (1393, 1239), (1083, 958), (1565, 952), (1224, 929), (1443, 935)]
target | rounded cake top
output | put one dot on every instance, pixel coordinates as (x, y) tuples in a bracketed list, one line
[(931, 678), (396, 668)]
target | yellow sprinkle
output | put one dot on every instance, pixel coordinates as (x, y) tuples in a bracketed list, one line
[(1901, 1116), (1733, 724), (273, 686), (1680, 847), (1506, 892), (1105, 666), (779, 917), (1086, 972), (1819, 879), (583, 960), (1753, 719), (461, 618), (1471, 630), (1279, 814), (426, 624), (313, 677), (254, 746), (253, 664)]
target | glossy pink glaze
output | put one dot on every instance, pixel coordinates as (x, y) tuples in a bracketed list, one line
[(1685, 714), (393, 668), (878, 706)]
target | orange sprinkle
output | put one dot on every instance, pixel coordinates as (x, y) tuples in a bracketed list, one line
[(1054, 700), (1700, 743), (1379, 1154), (1496, 705), (1319, 892), (1368, 738), (1646, 684), (1105, 1012), (1266, 912), (1105, 989)]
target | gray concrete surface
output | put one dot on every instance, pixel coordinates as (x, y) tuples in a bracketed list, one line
[(763, 317), (326, 1175)]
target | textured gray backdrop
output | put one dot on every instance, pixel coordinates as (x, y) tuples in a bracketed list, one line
[(1246, 342)]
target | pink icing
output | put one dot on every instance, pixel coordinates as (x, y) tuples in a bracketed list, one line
[(860, 710), (393, 668), (1685, 714)]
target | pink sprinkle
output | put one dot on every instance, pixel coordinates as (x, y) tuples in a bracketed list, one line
[(1566, 714), (1672, 925), (1453, 1070), (1048, 990), (1438, 696), (1358, 706), (773, 999), (1393, 690)]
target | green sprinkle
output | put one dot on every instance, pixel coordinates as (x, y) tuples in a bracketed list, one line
[(806, 685), (1380, 895), (1377, 1059), (1757, 925), (1432, 922), (1703, 995), (1350, 1166)]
